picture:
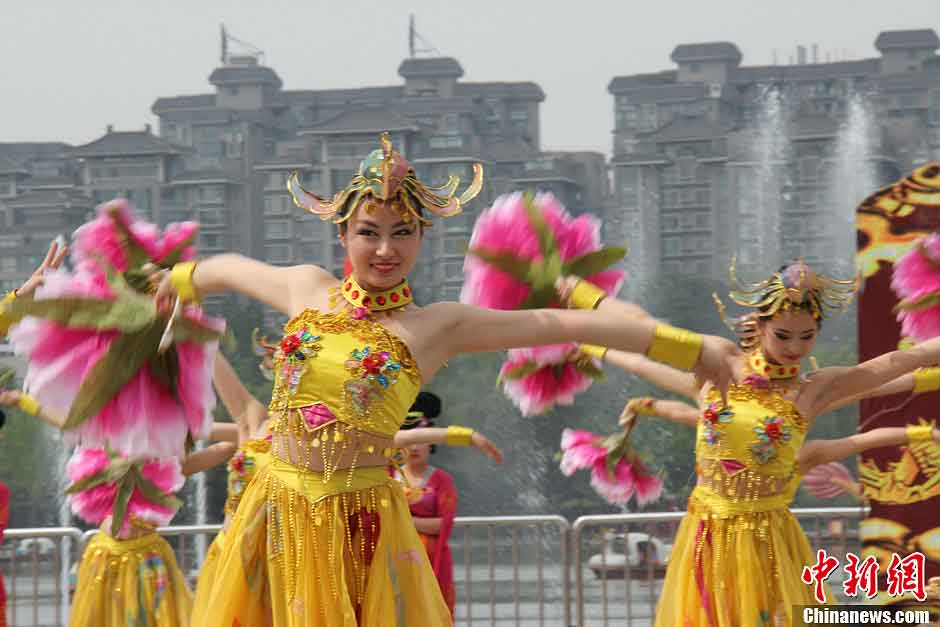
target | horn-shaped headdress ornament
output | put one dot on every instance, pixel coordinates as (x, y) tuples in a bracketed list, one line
[(385, 175), (796, 287)]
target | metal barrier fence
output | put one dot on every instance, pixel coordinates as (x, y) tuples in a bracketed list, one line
[(508, 570)]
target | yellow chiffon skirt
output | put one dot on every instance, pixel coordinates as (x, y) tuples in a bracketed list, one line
[(124, 583), (736, 568), (207, 575), (304, 549)]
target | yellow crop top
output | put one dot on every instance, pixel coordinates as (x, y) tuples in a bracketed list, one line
[(336, 367), (746, 452)]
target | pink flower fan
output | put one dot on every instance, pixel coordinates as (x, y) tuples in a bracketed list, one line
[(916, 281), (523, 243), (537, 379), (108, 484), (519, 247), (617, 472), (827, 481), (92, 339)]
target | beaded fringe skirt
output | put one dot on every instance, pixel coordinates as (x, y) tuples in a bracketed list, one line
[(338, 552), (730, 569), (207, 575), (130, 582)]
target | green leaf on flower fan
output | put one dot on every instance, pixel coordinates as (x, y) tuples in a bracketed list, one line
[(176, 253), (125, 315), (547, 243), (165, 369), (592, 263), (115, 471), (917, 304), (136, 254), (588, 368), (6, 377), (121, 499), (504, 261), (186, 330), (151, 492), (126, 355), (517, 372), (616, 446)]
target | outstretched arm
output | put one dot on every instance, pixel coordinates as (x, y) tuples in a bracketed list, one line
[(29, 405), (437, 435), (244, 408), (666, 377), (224, 432), (816, 452), (833, 384), (272, 285), (209, 457), (920, 381)]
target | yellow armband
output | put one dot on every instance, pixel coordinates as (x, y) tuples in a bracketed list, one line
[(676, 347), (28, 405), (592, 350), (181, 278), (919, 433), (643, 406), (458, 436), (926, 380), (585, 295), (5, 321)]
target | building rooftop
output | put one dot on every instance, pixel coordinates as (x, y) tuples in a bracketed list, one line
[(248, 74), (907, 39), (126, 143), (686, 129), (433, 67), (711, 51), (363, 120), (512, 149)]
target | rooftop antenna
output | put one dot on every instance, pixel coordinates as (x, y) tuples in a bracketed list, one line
[(415, 40), (245, 48)]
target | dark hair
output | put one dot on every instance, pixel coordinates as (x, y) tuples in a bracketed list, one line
[(429, 405), (344, 225), (3, 418)]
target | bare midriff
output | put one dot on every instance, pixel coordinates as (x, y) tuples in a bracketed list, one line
[(328, 448)]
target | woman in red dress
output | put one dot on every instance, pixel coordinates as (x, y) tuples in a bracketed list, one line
[(432, 496)]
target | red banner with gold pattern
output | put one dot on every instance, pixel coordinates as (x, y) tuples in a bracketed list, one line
[(902, 484)]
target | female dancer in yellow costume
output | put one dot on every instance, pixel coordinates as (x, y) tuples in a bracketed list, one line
[(739, 553), (323, 535), (250, 430)]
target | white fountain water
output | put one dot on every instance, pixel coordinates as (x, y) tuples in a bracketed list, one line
[(65, 519), (771, 152), (854, 175), (201, 497)]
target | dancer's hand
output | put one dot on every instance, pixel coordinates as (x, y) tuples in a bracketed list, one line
[(54, 258), (9, 398), (165, 294), (718, 363), (481, 443)]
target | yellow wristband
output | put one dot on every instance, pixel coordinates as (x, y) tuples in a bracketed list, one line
[(28, 405), (592, 350), (181, 277), (643, 406), (458, 436), (926, 380), (919, 433), (585, 295), (676, 347)]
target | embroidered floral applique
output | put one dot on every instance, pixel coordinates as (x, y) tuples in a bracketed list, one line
[(713, 417), (372, 373), (296, 350), (241, 465), (154, 564), (771, 433)]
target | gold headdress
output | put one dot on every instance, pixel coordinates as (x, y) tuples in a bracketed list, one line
[(385, 175), (796, 287)]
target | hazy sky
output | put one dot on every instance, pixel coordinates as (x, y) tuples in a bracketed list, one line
[(71, 68)]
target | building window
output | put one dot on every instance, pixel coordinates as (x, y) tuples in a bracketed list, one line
[(8, 264), (212, 217), (453, 270), (695, 68), (278, 253), (445, 141), (455, 246), (277, 229), (232, 90), (702, 220), (809, 169), (671, 246), (670, 222), (277, 204), (212, 193), (276, 180), (450, 123), (310, 230), (209, 241)]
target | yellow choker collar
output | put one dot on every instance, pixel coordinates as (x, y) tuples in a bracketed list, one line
[(394, 298), (764, 368)]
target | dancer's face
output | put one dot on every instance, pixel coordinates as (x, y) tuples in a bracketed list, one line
[(419, 454), (789, 336), (382, 247)]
